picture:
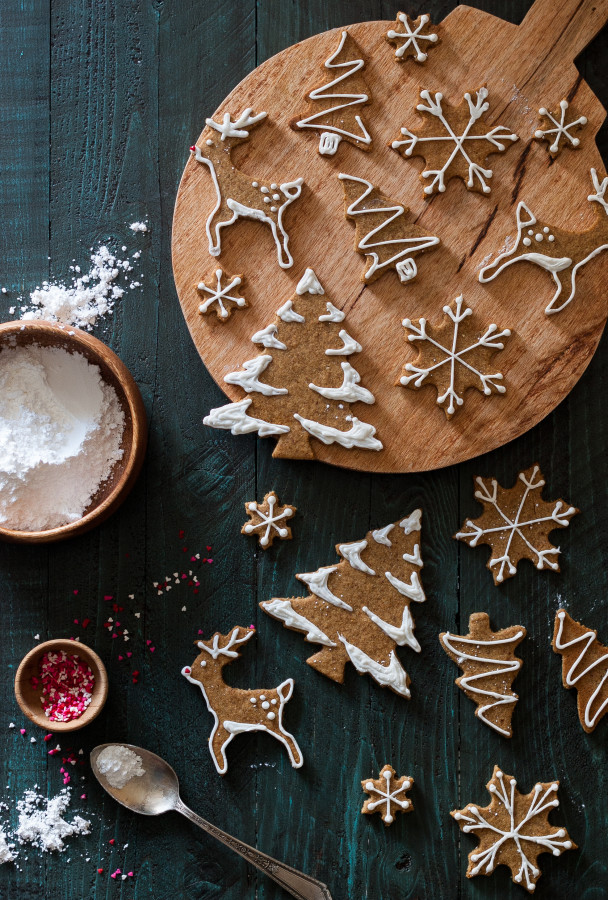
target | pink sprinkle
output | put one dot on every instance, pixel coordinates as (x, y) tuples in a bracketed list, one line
[(83, 796), (67, 686), (152, 649), (108, 597), (130, 874), (75, 621), (22, 730), (76, 591), (120, 658), (48, 737), (200, 631), (129, 655), (148, 643)]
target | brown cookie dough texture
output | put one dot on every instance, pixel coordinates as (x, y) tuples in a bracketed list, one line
[(487, 659), (584, 667), (268, 520), (387, 795), (513, 830), (516, 523)]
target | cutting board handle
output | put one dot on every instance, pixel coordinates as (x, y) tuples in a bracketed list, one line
[(567, 23)]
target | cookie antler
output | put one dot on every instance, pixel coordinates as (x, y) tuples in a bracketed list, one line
[(237, 128)]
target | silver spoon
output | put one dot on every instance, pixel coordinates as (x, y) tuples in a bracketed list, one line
[(157, 791)]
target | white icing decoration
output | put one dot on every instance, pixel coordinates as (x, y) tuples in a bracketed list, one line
[(350, 390), (413, 590), (572, 679), (267, 337), (494, 137), (317, 583), (406, 269), (332, 314), (269, 520), (387, 796), (309, 284), (332, 135), (215, 695), (412, 523), (562, 128), (490, 339), (248, 379), (350, 345), (415, 557), (288, 314), (501, 668), (381, 535), (218, 294), (401, 635), (559, 515), (552, 264), (283, 610), (238, 128), (352, 554), (486, 859), (412, 38), (360, 434), (233, 417), (392, 675)]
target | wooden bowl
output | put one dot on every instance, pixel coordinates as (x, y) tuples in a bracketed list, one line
[(28, 697), (114, 372)]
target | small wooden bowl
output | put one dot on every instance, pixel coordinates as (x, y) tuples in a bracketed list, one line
[(28, 697), (122, 477)]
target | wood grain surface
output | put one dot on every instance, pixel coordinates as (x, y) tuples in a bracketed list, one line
[(99, 103), (524, 68)]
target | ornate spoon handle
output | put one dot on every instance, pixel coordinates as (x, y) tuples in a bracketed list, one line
[(299, 885)]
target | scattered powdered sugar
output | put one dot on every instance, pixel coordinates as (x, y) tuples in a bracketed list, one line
[(42, 822), (139, 226), (7, 853), (119, 764), (61, 428)]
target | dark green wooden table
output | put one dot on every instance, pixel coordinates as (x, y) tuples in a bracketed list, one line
[(99, 102)]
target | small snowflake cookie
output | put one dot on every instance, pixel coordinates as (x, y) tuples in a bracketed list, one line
[(410, 38), (558, 132), (454, 142), (516, 523), (584, 667), (236, 711), (387, 795), (268, 520), (513, 830), (487, 659), (454, 356), (221, 299)]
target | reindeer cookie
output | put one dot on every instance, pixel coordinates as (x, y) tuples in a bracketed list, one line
[(234, 710), (239, 195), (562, 253)]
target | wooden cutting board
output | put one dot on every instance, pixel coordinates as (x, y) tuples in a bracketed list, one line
[(524, 67)]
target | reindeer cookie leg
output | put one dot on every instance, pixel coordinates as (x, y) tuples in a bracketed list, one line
[(218, 741), (572, 282), (285, 690)]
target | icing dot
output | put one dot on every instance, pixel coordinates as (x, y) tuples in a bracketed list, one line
[(526, 241), (551, 237), (254, 184), (203, 663), (538, 237), (209, 142), (406, 803), (530, 231), (273, 209), (264, 190), (252, 700), (388, 818), (273, 187), (265, 705), (271, 715), (276, 196), (546, 229), (543, 111), (262, 696), (274, 702), (369, 786), (266, 199)]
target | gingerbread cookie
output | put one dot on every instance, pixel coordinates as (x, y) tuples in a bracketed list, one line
[(234, 710), (584, 667), (341, 99), (410, 41), (387, 795), (381, 231), (454, 142), (559, 135), (516, 524), (359, 609), (561, 253), (310, 387), (218, 299), (268, 520), (513, 830), (239, 195), (487, 659), (454, 356)]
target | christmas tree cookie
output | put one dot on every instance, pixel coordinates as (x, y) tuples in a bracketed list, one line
[(584, 667)]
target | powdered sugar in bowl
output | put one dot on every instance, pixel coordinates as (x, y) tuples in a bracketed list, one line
[(73, 431)]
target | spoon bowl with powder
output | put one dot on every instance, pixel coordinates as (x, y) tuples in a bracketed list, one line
[(73, 431), (146, 784)]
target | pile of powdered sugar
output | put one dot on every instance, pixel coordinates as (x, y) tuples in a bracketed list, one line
[(119, 764), (42, 823), (61, 428)]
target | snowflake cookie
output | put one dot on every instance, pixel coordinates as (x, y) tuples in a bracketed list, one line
[(387, 795), (559, 135), (454, 142), (268, 519), (487, 659), (513, 830), (516, 524), (236, 711), (454, 356), (239, 195), (584, 666), (410, 41), (219, 299), (382, 232)]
